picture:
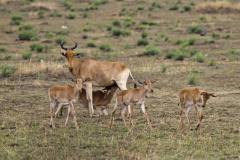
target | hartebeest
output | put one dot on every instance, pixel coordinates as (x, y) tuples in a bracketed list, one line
[(193, 97), (60, 95), (129, 97), (96, 73)]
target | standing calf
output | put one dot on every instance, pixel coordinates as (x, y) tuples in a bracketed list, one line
[(60, 95), (193, 97), (101, 98), (132, 96)]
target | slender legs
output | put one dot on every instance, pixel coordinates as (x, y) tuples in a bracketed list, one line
[(74, 115), (187, 115), (200, 116), (123, 112), (146, 115), (113, 112), (52, 106), (71, 109), (89, 97)]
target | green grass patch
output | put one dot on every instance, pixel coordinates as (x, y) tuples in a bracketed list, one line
[(37, 47), (199, 57), (151, 51), (26, 55), (105, 47), (7, 70)]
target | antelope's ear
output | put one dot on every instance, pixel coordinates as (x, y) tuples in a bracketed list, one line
[(212, 94), (203, 93), (140, 82), (77, 55), (153, 81), (63, 54)]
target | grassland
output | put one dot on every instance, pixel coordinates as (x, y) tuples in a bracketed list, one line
[(169, 41)]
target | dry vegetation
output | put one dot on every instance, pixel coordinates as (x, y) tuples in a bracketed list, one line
[(175, 42)]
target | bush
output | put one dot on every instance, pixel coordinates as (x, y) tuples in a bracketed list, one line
[(195, 29), (98, 2), (105, 47), (26, 55), (142, 42), (163, 68), (174, 7), (185, 43), (211, 63), (192, 79), (71, 15), (186, 8), (179, 55), (2, 49), (118, 32), (116, 23), (151, 51), (60, 39), (27, 35), (199, 57), (91, 44), (37, 47), (144, 35), (7, 70), (16, 20), (67, 4), (26, 27)]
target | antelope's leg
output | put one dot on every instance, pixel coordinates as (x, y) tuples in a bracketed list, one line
[(200, 116), (113, 112), (59, 108), (74, 115), (52, 105), (123, 112), (130, 110), (89, 98), (69, 110), (189, 107), (146, 115), (181, 119)]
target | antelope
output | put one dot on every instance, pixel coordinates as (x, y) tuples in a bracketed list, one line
[(101, 98), (96, 73), (193, 97), (128, 97), (60, 95)]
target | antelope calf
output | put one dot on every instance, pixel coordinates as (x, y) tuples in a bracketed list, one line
[(101, 98), (60, 95), (193, 97), (128, 97)]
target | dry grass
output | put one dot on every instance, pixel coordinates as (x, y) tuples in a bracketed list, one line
[(218, 7), (24, 68)]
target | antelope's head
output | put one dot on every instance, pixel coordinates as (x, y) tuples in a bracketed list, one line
[(205, 96), (69, 53), (147, 84)]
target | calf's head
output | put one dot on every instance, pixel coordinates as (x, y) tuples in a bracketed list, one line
[(205, 97)]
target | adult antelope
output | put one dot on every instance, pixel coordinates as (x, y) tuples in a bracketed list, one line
[(96, 73)]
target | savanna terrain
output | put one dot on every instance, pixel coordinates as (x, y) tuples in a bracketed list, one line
[(179, 43)]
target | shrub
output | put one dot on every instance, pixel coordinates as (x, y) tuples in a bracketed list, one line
[(7, 70), (119, 32), (116, 23), (91, 44), (67, 4), (105, 47), (60, 39), (186, 8), (151, 51), (192, 79), (41, 14), (209, 41), (148, 23), (185, 43), (55, 14), (98, 2), (128, 22), (27, 35), (195, 29), (37, 47), (163, 68), (26, 55), (174, 7), (154, 5), (26, 27), (211, 63), (144, 35), (199, 57), (71, 15), (142, 42), (16, 20), (179, 55), (2, 49)]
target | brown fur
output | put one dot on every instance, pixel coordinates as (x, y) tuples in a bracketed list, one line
[(96, 73), (132, 96), (193, 96)]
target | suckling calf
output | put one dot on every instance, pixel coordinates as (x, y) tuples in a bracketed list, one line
[(60, 95), (132, 96), (193, 97)]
